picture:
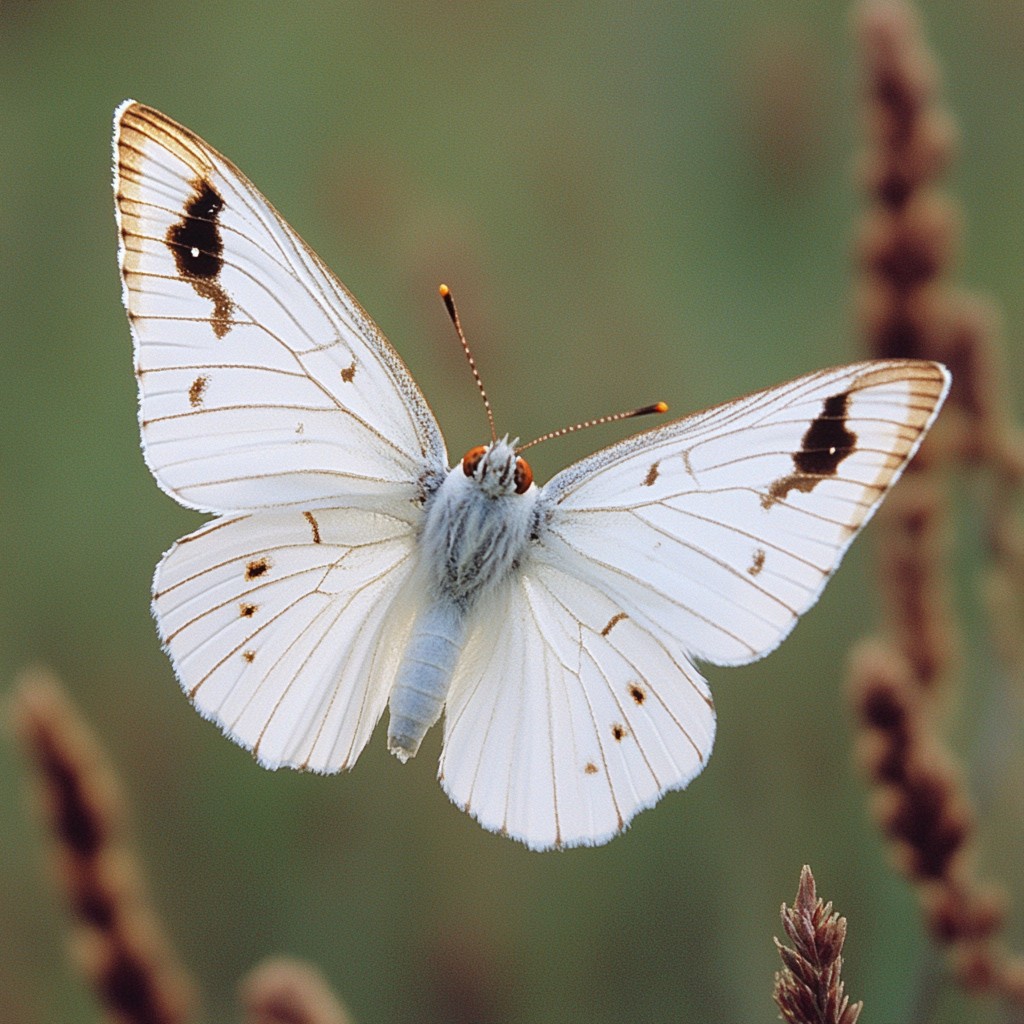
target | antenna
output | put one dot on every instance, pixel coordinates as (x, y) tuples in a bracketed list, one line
[(647, 410), (449, 304)]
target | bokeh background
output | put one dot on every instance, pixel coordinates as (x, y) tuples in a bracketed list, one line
[(631, 203)]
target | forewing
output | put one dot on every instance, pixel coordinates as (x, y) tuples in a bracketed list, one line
[(566, 717), (721, 529), (285, 628), (262, 382)]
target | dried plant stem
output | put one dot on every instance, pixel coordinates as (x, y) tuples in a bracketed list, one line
[(809, 988), (906, 247), (116, 941)]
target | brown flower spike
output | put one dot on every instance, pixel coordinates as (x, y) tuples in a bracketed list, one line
[(809, 988), (116, 940), (906, 247)]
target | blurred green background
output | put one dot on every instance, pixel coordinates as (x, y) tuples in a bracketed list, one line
[(631, 203)]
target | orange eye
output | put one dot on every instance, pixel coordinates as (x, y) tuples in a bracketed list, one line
[(472, 459), (523, 477)]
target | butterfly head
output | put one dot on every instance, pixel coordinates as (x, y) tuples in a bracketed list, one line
[(497, 469)]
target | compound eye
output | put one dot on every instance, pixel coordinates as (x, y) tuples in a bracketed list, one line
[(472, 459), (523, 476)]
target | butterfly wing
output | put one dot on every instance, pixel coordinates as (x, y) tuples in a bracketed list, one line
[(269, 396), (577, 704), (283, 625), (565, 717), (262, 382), (722, 528)]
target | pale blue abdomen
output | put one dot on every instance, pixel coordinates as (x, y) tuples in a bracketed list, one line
[(424, 676)]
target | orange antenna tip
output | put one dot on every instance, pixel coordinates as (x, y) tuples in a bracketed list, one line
[(659, 407), (449, 304)]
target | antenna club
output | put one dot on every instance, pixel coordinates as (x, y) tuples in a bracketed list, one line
[(660, 407), (449, 304)]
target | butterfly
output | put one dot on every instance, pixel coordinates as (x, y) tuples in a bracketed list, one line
[(350, 569)]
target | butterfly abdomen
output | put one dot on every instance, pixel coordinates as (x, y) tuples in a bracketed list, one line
[(424, 676)]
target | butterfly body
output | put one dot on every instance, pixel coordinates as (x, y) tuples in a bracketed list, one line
[(475, 531), (347, 569)]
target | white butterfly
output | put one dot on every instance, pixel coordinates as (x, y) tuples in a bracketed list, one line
[(349, 568)]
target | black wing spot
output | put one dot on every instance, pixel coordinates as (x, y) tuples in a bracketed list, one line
[(249, 656), (637, 692), (758, 564), (195, 241), (619, 732), (198, 250), (652, 475), (348, 373), (590, 768), (246, 610), (827, 441), (824, 446), (256, 568)]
